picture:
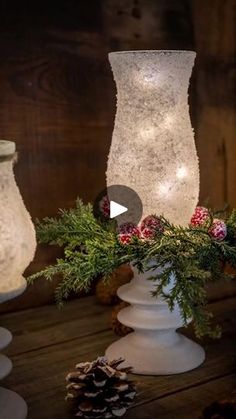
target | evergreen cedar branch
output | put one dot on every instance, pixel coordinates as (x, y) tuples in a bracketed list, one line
[(91, 248)]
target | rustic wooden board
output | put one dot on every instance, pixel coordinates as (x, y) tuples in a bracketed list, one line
[(58, 98), (74, 321), (183, 405), (48, 343), (215, 43), (187, 404)]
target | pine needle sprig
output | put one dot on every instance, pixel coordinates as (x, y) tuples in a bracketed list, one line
[(187, 257)]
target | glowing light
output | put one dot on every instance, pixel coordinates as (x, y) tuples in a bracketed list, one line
[(181, 172), (153, 132), (146, 131), (165, 189), (168, 121), (146, 77), (151, 77)]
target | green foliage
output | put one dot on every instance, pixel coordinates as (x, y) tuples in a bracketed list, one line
[(91, 248)]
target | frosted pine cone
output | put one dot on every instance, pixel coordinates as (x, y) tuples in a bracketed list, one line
[(218, 230), (99, 390), (200, 217)]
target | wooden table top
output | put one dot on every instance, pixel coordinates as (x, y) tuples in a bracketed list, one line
[(48, 343)]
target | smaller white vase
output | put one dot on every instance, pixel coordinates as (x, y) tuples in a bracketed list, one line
[(17, 249), (154, 348), (17, 234)]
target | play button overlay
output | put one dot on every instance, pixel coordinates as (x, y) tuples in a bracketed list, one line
[(120, 203), (116, 209)]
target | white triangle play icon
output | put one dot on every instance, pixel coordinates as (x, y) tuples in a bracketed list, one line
[(116, 209)]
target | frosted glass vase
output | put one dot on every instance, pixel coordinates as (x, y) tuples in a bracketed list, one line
[(153, 152), (153, 149), (17, 248)]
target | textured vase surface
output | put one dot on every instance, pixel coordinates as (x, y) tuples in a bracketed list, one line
[(153, 152), (17, 249), (153, 149), (17, 234)]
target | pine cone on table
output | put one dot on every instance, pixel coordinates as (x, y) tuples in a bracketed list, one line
[(98, 389)]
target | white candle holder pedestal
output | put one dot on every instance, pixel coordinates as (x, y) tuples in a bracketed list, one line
[(17, 249), (154, 348), (153, 152), (12, 406)]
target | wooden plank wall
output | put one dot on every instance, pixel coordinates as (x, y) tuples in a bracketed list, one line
[(57, 96)]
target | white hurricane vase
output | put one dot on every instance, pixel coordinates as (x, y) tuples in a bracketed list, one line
[(17, 249), (153, 152)]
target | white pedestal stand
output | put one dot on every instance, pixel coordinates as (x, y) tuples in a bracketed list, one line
[(154, 348), (12, 406)]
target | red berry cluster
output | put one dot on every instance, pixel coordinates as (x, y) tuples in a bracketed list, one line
[(127, 231), (149, 228), (218, 229), (201, 217), (104, 206)]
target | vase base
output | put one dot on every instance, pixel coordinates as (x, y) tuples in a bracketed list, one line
[(149, 355), (12, 406), (5, 337), (5, 366), (13, 289)]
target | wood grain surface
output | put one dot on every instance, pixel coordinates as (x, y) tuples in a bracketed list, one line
[(48, 343), (57, 96)]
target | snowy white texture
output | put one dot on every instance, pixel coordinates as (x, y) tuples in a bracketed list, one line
[(153, 149), (17, 234)]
